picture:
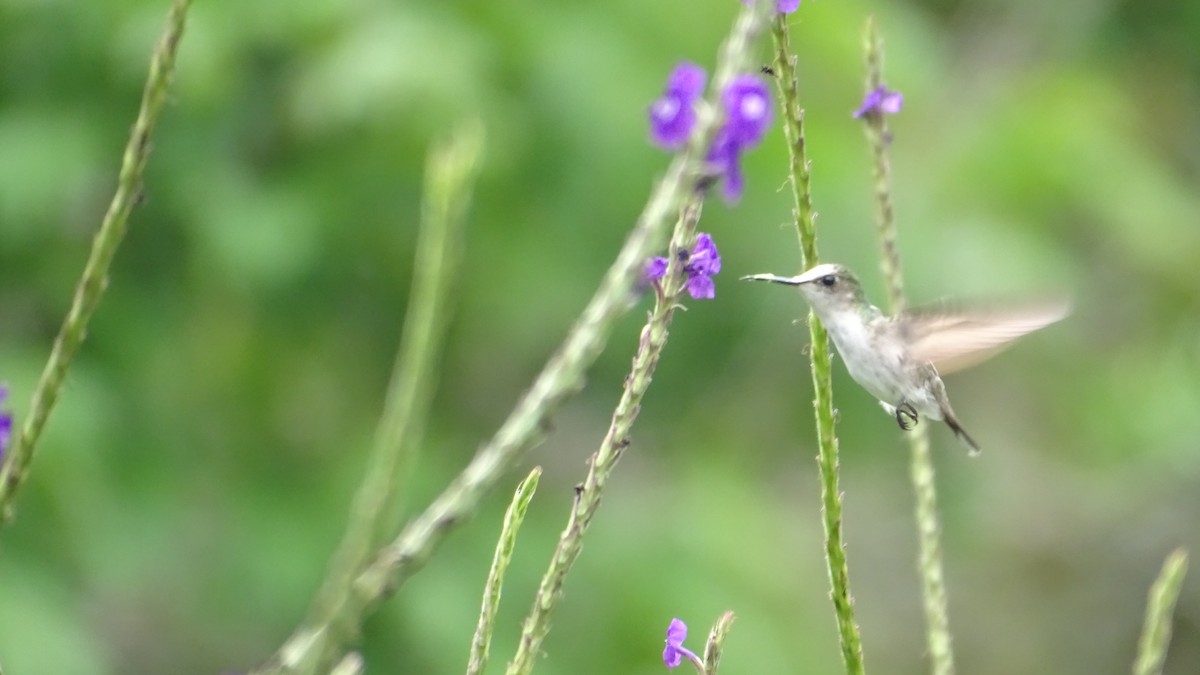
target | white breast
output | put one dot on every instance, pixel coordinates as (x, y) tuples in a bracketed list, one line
[(878, 369)]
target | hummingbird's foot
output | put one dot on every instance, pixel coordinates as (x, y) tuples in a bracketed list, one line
[(906, 415)]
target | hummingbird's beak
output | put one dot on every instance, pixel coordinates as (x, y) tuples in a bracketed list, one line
[(790, 281)]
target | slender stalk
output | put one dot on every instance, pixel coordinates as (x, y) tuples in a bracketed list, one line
[(504, 550), (561, 377), (716, 640), (929, 541), (95, 272), (921, 471), (449, 179), (827, 457), (879, 138), (587, 497), (1156, 633)]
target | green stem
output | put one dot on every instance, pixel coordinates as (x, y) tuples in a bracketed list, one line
[(561, 377), (921, 471), (1156, 634), (587, 497), (495, 581), (449, 179), (827, 457), (95, 272), (716, 641), (878, 138), (929, 541)]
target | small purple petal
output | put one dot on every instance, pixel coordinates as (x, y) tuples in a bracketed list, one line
[(724, 151), (870, 102), (687, 80), (676, 632), (6, 424), (705, 258), (781, 6), (701, 287), (892, 102), (735, 181), (671, 657), (673, 115), (725, 158), (656, 268), (671, 121), (879, 101), (747, 109)]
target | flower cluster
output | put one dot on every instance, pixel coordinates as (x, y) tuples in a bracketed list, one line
[(675, 652), (878, 101), (747, 107), (700, 264)]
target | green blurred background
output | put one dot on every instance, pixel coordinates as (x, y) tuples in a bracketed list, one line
[(198, 470)]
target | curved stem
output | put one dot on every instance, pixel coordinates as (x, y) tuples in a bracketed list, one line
[(449, 179), (513, 518), (1156, 634)]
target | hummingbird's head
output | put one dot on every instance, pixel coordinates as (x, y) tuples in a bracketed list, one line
[(827, 287)]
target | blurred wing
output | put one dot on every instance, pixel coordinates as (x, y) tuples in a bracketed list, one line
[(956, 339)]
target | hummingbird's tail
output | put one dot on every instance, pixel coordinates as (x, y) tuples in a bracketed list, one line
[(952, 422)]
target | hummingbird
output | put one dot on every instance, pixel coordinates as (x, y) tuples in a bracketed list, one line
[(900, 359)]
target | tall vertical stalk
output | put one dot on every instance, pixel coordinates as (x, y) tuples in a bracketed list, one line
[(827, 457), (921, 473)]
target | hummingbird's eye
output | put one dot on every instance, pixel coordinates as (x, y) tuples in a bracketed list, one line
[(828, 280)]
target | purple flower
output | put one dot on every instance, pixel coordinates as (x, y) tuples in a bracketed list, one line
[(878, 101), (703, 263), (701, 287), (725, 156), (705, 260), (673, 114), (675, 652), (699, 266), (656, 268), (747, 109), (747, 117), (6, 423), (781, 6)]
